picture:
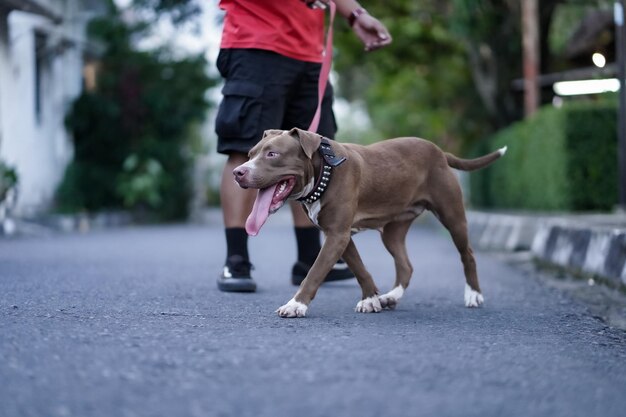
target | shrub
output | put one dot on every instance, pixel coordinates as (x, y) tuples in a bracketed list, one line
[(87, 187), (8, 179), (592, 157), (141, 181), (560, 159)]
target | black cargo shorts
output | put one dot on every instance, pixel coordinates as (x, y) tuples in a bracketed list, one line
[(265, 90)]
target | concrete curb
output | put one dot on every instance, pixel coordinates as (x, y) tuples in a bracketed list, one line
[(584, 249), (589, 244), (491, 231), (47, 224)]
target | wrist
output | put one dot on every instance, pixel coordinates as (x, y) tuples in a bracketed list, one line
[(356, 13)]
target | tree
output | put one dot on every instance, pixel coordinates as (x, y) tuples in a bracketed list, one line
[(425, 84), (490, 32), (132, 133), (448, 74)]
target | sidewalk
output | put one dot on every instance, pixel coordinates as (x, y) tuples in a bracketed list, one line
[(592, 245)]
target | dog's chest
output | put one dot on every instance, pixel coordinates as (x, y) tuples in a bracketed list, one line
[(313, 210)]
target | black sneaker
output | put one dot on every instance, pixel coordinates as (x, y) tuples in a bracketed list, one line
[(339, 272), (236, 276)]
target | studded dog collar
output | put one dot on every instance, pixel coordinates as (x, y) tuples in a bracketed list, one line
[(329, 161)]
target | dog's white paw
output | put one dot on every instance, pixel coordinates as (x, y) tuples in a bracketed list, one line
[(390, 300), (369, 305), (473, 298), (292, 309)]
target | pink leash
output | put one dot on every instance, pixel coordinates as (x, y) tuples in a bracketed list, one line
[(325, 71)]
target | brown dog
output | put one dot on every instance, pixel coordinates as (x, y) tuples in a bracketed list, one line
[(347, 188)]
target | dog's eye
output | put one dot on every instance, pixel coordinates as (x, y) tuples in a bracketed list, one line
[(271, 154)]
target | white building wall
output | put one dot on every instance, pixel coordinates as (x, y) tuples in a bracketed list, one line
[(4, 68), (39, 147)]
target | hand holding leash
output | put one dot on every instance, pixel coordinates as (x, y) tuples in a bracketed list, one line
[(370, 30)]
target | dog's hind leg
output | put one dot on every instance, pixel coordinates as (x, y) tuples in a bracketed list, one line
[(458, 231), (452, 216), (473, 296), (369, 302), (394, 238)]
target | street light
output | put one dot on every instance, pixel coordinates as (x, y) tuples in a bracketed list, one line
[(586, 87), (598, 60)]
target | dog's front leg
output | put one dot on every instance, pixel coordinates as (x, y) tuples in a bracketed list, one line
[(369, 302), (333, 247)]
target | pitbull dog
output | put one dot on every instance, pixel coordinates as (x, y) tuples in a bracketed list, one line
[(346, 188)]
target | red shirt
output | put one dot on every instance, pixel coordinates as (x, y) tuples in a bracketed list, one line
[(287, 27)]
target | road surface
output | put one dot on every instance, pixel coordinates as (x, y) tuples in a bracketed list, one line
[(129, 322)]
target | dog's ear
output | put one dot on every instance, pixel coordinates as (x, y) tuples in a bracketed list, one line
[(309, 141), (272, 132)]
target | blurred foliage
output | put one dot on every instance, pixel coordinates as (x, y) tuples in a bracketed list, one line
[(566, 22), (591, 133), (141, 182), (8, 179), (146, 104), (448, 74), (212, 197), (417, 86), (560, 159), (532, 174), (425, 83), (178, 11)]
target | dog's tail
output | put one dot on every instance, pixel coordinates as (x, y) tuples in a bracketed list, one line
[(474, 164)]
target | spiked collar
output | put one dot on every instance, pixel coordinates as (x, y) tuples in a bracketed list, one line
[(328, 161)]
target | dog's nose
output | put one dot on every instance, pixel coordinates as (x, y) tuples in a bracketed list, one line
[(240, 172)]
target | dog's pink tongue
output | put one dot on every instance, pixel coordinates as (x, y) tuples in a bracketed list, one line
[(260, 210)]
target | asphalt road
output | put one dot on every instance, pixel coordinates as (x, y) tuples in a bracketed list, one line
[(129, 322)]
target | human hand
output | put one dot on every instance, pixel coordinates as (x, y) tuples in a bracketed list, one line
[(371, 32)]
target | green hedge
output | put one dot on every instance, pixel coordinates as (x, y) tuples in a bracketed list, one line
[(560, 159)]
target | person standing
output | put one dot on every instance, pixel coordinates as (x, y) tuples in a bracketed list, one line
[(270, 58)]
